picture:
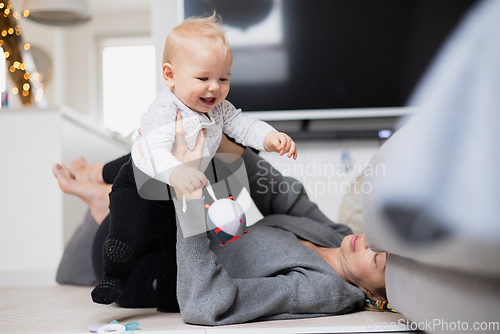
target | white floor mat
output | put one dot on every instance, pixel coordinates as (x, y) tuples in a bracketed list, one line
[(69, 309)]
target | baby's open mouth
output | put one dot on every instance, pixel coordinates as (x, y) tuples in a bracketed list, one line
[(209, 100)]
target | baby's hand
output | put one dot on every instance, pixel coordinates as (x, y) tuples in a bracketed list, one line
[(187, 180), (281, 143)]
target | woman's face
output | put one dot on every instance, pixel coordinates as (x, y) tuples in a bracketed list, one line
[(363, 267)]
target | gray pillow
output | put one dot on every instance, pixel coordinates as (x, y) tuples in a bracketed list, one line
[(76, 265)]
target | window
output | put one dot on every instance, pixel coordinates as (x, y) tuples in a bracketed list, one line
[(128, 82)]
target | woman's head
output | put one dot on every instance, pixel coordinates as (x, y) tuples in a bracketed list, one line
[(362, 266)]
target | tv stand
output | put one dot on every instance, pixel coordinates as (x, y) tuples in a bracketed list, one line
[(335, 124)]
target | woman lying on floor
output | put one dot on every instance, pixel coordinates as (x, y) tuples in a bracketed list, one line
[(294, 263)]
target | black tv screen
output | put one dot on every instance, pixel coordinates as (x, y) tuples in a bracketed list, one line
[(327, 54)]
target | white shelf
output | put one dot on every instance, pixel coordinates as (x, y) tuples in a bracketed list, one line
[(314, 114)]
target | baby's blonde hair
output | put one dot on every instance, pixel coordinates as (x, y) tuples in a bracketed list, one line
[(205, 29)]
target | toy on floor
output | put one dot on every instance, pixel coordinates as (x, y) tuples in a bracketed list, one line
[(114, 327), (225, 218)]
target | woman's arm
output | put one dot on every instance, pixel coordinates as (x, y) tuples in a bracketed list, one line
[(272, 192), (207, 295)]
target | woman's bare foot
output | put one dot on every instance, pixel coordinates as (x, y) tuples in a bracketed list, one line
[(82, 171), (95, 195), (78, 168)]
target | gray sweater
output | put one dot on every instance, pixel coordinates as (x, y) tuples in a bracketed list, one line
[(267, 274)]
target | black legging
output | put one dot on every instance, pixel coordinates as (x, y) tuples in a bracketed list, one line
[(111, 169), (138, 290)]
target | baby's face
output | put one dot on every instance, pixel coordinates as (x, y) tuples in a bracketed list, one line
[(201, 78)]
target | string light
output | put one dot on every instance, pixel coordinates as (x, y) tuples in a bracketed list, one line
[(23, 79)]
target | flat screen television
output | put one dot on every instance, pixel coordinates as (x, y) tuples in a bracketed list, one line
[(312, 57)]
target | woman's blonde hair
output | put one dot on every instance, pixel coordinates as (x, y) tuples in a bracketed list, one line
[(377, 305), (205, 29)]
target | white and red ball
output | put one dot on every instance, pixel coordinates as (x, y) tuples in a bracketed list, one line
[(226, 220)]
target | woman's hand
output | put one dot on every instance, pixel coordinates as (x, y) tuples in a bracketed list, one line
[(187, 178)]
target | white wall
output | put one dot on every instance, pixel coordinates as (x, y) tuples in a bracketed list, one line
[(164, 17), (36, 218), (31, 204), (81, 54)]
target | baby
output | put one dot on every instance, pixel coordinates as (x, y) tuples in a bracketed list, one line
[(196, 67)]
